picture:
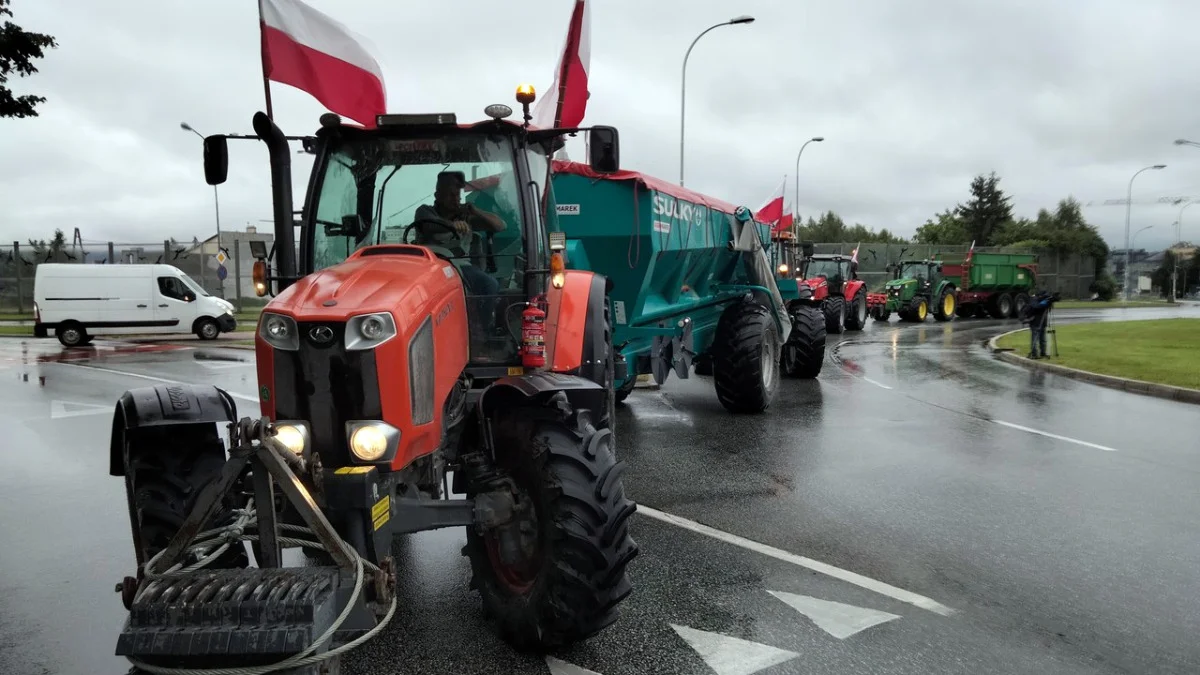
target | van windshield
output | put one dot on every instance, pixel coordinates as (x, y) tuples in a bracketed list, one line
[(194, 286)]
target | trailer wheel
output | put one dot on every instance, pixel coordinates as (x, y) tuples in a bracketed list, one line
[(746, 353), (804, 352), (857, 317), (626, 387), (575, 544), (1001, 306), (835, 314), (946, 304), (166, 469), (1020, 302)]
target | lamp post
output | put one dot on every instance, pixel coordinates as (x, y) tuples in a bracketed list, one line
[(1128, 212), (1184, 141), (1134, 243), (796, 203), (743, 19), (216, 207)]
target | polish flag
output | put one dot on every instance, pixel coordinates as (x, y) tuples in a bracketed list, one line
[(970, 252), (772, 211), (785, 223), (566, 100), (854, 256), (310, 51)]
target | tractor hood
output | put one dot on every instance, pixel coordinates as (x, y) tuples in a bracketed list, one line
[(900, 283), (402, 280), (815, 282)]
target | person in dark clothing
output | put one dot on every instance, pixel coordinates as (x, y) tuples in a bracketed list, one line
[(1037, 313)]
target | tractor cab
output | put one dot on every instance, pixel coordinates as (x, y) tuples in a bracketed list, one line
[(786, 256), (834, 269), (927, 273)]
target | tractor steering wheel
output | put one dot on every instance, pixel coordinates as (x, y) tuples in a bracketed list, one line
[(478, 248)]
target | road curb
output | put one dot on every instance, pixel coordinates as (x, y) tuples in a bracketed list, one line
[(1169, 392)]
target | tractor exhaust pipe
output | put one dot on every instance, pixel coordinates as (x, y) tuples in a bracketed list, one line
[(281, 197)]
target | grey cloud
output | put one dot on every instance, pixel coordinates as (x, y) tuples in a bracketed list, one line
[(1068, 97)]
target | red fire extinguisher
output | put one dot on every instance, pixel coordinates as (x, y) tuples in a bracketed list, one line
[(533, 334)]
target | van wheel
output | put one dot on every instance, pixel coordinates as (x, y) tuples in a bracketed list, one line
[(71, 334), (207, 329)]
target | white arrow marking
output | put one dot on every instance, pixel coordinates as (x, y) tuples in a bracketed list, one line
[(838, 619), (60, 409), (558, 667), (728, 655)]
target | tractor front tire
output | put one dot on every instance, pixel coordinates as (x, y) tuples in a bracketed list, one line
[(804, 352), (882, 315), (857, 316), (918, 309), (569, 588), (746, 353), (166, 469), (835, 314), (946, 305)]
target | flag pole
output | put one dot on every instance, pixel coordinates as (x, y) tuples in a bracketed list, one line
[(266, 60)]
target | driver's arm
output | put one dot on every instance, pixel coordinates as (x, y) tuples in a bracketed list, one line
[(483, 220)]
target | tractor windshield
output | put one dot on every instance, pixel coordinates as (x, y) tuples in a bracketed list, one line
[(915, 271), (833, 270), (456, 193)]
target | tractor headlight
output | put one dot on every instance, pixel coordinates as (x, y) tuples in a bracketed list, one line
[(369, 331), (420, 373), (279, 331), (293, 436), (372, 441), (783, 268)]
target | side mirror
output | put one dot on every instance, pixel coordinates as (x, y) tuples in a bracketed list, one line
[(604, 149), (188, 297), (807, 248), (216, 159)]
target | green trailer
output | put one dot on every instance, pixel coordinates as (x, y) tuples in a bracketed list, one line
[(691, 281), (993, 284)]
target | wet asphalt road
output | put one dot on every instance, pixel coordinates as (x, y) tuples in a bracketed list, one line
[(1066, 543)]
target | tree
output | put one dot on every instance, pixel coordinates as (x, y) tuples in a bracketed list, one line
[(948, 228), (831, 228), (988, 210), (18, 50), (49, 252)]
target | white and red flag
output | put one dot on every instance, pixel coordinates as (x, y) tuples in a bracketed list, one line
[(970, 252), (565, 102), (785, 222), (854, 256), (312, 52), (772, 211)]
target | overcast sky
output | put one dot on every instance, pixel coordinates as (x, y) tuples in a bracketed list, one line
[(1058, 97)]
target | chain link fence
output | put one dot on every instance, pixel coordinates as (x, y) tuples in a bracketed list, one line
[(223, 272), (1069, 274)]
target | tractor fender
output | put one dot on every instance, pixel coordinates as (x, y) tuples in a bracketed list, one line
[(575, 323), (165, 405), (516, 389), (852, 289), (595, 342)]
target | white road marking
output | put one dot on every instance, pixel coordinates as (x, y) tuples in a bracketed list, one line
[(801, 561), (60, 409), (559, 667), (1050, 435), (836, 618), (152, 378), (728, 655), (224, 365), (877, 384)]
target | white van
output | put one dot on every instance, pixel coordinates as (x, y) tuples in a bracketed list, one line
[(78, 302)]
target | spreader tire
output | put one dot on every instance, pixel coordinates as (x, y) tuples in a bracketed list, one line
[(166, 469), (567, 470), (856, 318), (804, 352), (746, 353), (626, 387), (835, 314)]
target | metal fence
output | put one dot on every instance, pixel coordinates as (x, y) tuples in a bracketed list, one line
[(19, 263), (1069, 274)]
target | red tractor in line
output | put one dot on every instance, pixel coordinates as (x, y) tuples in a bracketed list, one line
[(836, 288)]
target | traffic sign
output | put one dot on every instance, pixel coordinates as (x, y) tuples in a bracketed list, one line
[(221, 258), (222, 272)]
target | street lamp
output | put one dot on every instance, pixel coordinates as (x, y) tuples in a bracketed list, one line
[(1135, 234), (1128, 211), (683, 88), (814, 139), (1184, 141), (216, 205)]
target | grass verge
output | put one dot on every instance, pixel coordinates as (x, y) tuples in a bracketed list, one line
[(1162, 350), (24, 331)]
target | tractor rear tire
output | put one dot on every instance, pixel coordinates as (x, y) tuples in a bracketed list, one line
[(577, 576), (804, 352), (835, 314), (856, 318), (946, 304), (166, 469), (746, 351)]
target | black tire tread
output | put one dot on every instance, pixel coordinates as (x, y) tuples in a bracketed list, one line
[(834, 307), (585, 515), (852, 322), (807, 340), (737, 358)]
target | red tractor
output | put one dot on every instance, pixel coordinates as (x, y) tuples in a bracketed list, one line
[(414, 337), (836, 288)]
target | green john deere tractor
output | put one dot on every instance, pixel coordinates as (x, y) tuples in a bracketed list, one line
[(919, 290)]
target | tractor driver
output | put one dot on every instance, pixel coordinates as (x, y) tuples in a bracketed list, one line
[(448, 209)]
